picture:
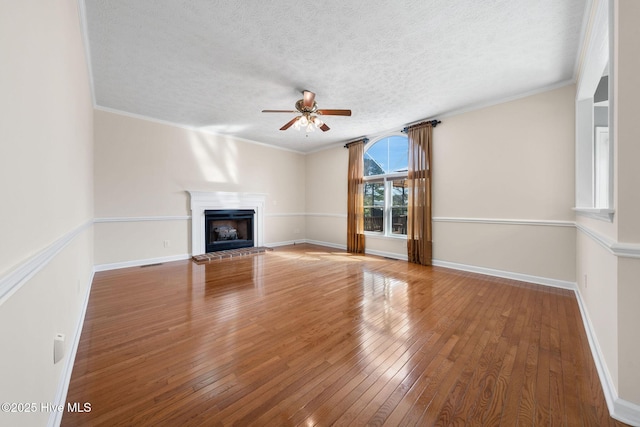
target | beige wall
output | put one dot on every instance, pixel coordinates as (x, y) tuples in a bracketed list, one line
[(143, 169), (608, 283), (627, 146), (45, 151), (509, 161), (597, 277), (326, 196), (541, 251), (46, 179), (628, 330), (512, 161), (627, 125)]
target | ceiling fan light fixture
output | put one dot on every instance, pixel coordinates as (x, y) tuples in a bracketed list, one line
[(303, 120), (310, 127)]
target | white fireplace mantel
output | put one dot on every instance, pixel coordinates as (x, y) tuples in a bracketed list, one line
[(207, 200)]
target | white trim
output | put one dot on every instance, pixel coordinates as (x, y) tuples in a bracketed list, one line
[(385, 254), (140, 262), (327, 215), (626, 250), (505, 221), (504, 100), (462, 110), (84, 33), (285, 243), (327, 244), (13, 280), (596, 50), (596, 213), (603, 241), (378, 235), (142, 218), (191, 128), (625, 411), (623, 250), (620, 409), (211, 200), (366, 251), (546, 281), (55, 417), (585, 30), (276, 215)]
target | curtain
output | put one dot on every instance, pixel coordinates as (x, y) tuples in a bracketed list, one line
[(419, 231), (355, 198)]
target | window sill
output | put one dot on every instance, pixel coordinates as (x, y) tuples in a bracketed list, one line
[(602, 214), (376, 235)]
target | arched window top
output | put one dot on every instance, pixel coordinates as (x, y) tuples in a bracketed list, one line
[(388, 155)]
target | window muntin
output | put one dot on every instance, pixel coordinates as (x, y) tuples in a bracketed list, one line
[(374, 206), (386, 156), (399, 203), (385, 187)]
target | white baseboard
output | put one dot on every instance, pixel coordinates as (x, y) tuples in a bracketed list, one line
[(556, 283), (367, 251), (626, 412), (619, 409), (327, 244), (139, 262), (402, 257), (55, 417), (285, 243)]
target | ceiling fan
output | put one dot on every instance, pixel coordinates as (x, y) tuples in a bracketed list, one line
[(309, 113)]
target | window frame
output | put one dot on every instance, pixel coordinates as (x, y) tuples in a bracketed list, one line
[(598, 61), (387, 179)]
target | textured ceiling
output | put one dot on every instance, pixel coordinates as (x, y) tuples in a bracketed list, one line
[(215, 64)]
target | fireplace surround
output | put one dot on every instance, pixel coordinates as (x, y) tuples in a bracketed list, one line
[(202, 201)]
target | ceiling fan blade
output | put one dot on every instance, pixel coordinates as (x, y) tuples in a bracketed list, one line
[(324, 127), (326, 112), (289, 123), (308, 98), (279, 111)]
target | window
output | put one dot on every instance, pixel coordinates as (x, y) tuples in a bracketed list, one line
[(594, 150), (385, 186), (601, 167)]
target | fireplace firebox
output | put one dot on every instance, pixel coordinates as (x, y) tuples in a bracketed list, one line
[(228, 229)]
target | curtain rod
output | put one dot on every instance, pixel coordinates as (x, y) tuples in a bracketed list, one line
[(365, 140), (433, 123)]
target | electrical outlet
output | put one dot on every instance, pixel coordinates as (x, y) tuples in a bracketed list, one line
[(166, 243), (58, 348)]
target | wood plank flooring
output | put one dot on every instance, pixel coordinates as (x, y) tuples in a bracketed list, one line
[(307, 335)]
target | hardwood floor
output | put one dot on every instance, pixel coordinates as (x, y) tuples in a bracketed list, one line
[(307, 335)]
